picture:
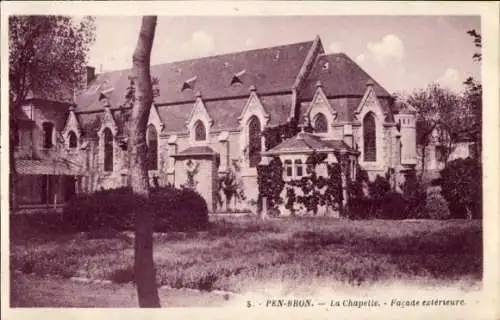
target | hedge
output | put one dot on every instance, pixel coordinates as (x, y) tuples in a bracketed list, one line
[(174, 210)]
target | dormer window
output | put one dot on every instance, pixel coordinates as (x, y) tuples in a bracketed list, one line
[(236, 80), (189, 83), (237, 77), (200, 133), (48, 133)]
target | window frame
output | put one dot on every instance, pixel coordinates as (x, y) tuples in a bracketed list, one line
[(198, 128), (48, 140), (70, 135), (369, 143), (108, 150), (317, 117), (254, 142), (152, 157)]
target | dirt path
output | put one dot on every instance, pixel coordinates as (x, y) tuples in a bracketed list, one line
[(31, 291)]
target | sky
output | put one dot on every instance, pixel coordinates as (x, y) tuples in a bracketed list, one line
[(402, 53)]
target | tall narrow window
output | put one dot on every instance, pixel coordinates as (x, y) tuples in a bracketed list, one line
[(288, 168), (369, 138), (72, 140), (299, 172), (48, 131), (152, 140), (200, 133), (108, 150), (254, 141), (320, 124)]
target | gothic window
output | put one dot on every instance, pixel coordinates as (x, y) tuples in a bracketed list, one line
[(152, 142), (108, 150), (288, 168), (200, 133), (369, 138), (72, 140), (298, 168), (320, 124), (48, 131), (254, 141)]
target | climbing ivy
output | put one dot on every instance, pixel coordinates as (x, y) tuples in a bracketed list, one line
[(270, 183), (275, 135), (317, 190)]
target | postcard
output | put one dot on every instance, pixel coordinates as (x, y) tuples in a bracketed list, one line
[(250, 159)]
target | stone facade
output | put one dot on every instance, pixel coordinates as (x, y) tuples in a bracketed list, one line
[(210, 113)]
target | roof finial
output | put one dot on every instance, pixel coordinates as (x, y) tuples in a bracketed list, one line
[(370, 83), (198, 94), (252, 88), (319, 84)]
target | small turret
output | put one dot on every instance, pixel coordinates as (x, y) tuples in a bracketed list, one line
[(406, 121)]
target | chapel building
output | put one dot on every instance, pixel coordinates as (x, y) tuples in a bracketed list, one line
[(209, 113)]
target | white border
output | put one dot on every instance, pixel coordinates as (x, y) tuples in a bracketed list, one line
[(488, 302)]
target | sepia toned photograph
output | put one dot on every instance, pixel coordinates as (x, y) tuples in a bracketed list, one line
[(251, 161)]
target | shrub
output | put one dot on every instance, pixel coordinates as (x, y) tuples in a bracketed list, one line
[(436, 207), (393, 206), (103, 209), (461, 185), (378, 189), (415, 194), (174, 209), (179, 209)]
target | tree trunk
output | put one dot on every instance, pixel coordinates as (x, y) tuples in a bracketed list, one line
[(144, 270), (14, 106)]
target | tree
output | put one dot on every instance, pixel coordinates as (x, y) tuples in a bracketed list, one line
[(47, 59), (144, 270), (461, 187), (438, 111), (473, 97)]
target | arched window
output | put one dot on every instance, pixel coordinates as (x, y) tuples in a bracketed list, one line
[(254, 141), (320, 124), (298, 168), (288, 168), (152, 142), (369, 138), (72, 140), (108, 149), (48, 131), (200, 133)]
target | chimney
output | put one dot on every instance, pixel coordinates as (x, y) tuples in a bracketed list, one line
[(90, 74)]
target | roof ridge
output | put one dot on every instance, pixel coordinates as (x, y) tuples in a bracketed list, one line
[(213, 56)]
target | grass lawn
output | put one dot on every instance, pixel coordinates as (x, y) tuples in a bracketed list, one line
[(245, 254)]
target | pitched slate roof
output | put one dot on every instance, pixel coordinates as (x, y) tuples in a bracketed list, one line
[(269, 70), (340, 76), (307, 143), (344, 83), (224, 113)]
